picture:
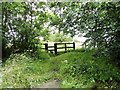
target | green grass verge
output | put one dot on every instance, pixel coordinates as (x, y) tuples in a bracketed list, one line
[(80, 69), (75, 69), (21, 71)]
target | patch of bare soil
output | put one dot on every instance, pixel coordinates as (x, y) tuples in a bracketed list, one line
[(51, 84)]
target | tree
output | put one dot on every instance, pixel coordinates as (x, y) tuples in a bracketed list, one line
[(23, 22), (102, 23), (21, 26), (98, 20)]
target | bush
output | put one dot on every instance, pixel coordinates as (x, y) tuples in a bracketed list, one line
[(57, 37), (43, 55)]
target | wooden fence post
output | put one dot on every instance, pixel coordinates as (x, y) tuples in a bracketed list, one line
[(73, 45), (65, 47), (55, 48), (46, 46)]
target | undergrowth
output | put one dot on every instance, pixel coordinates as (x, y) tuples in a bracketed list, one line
[(21, 71), (75, 69), (81, 69)]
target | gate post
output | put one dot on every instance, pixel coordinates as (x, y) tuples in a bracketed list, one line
[(55, 48), (65, 47), (73, 45), (46, 46)]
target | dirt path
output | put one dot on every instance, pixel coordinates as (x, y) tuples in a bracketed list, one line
[(51, 84)]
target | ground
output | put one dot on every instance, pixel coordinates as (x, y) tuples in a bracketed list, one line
[(51, 84)]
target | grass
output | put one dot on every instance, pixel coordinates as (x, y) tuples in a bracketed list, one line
[(80, 69), (75, 69), (21, 71)]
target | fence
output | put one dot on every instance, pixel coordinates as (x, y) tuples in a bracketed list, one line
[(55, 47)]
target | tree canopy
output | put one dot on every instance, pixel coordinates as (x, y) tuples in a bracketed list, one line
[(24, 22)]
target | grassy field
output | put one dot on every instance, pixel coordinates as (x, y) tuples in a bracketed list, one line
[(75, 69)]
